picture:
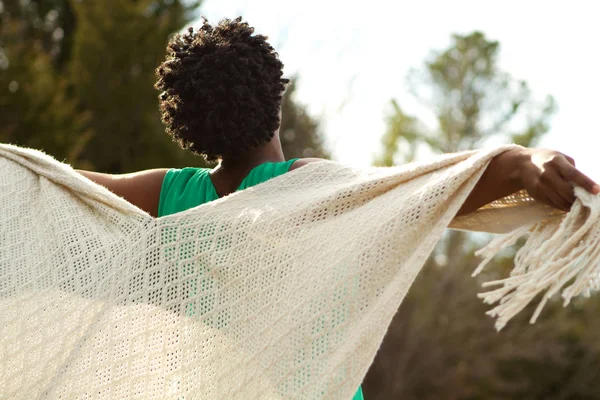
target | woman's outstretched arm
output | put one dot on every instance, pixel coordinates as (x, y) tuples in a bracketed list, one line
[(545, 174), (141, 189)]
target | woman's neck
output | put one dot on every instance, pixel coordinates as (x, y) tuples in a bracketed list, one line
[(230, 172), (269, 152)]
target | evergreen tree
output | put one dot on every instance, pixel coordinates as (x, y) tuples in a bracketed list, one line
[(300, 135), (36, 107), (117, 46)]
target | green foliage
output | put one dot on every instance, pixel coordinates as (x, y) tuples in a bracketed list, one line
[(80, 77), (400, 127), (115, 51), (439, 345), (36, 109)]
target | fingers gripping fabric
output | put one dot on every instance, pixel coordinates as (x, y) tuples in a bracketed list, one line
[(280, 291)]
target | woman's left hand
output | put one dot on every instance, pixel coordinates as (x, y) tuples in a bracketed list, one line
[(549, 177)]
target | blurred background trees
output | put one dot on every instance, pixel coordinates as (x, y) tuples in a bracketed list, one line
[(299, 131), (76, 80), (36, 106), (439, 345)]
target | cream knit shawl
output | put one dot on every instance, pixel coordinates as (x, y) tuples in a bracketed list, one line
[(282, 290)]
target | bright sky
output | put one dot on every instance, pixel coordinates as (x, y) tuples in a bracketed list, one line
[(353, 59)]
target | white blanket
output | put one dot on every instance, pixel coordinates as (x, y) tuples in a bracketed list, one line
[(282, 290)]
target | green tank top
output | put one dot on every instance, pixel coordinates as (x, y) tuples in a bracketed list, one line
[(187, 188)]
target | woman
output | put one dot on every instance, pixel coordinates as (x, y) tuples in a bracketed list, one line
[(221, 90)]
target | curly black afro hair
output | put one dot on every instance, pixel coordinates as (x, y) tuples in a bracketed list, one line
[(221, 89)]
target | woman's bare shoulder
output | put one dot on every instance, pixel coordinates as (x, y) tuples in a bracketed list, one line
[(303, 161), (141, 189)]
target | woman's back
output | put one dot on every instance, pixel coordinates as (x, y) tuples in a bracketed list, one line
[(186, 188)]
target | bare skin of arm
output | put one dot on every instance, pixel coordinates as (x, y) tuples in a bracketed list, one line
[(545, 174), (141, 189)]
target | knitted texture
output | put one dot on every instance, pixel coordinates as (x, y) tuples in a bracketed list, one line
[(295, 280)]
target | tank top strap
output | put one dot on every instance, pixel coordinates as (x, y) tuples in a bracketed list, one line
[(263, 172)]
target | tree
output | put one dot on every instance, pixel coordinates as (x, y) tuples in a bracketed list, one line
[(80, 77), (116, 49), (36, 109), (472, 101), (50, 22), (439, 345), (300, 135)]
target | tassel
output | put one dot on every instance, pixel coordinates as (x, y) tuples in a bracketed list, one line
[(557, 251)]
